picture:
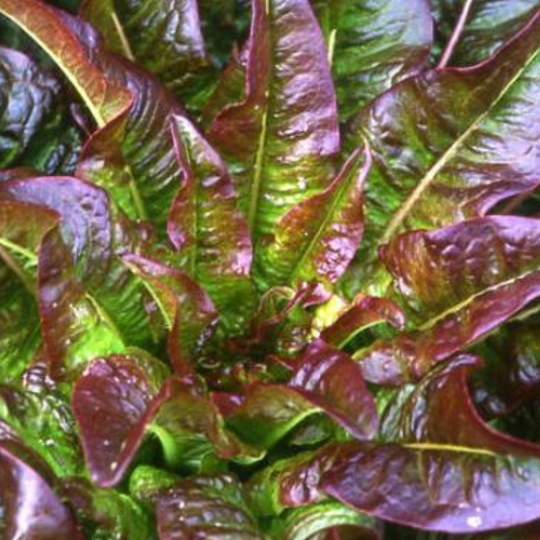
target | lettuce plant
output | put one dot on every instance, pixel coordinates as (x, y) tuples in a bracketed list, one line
[(269, 269)]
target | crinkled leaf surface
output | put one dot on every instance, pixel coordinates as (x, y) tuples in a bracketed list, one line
[(459, 474), (326, 380), (497, 277), (186, 308), (164, 37), (207, 228), (105, 100), (280, 140), (22, 228), (487, 26), (109, 400), (451, 143), (34, 128), (205, 507), (373, 45), (331, 225)]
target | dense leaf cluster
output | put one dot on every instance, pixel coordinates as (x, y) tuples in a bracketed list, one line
[(269, 269)]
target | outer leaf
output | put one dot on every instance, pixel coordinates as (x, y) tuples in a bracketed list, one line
[(282, 137), (460, 475), (487, 26), (498, 265), (105, 100), (28, 504), (373, 45), (30, 98), (445, 489), (108, 402), (450, 144), (316, 239), (207, 228), (133, 156), (188, 425), (22, 228), (205, 507), (95, 241), (165, 38)]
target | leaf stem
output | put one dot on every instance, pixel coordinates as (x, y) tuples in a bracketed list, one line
[(456, 34)]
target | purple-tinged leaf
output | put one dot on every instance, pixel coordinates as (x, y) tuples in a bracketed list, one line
[(487, 26), (445, 469), (104, 99), (450, 144), (205, 507), (230, 88), (165, 38), (281, 139), (188, 425), (109, 400), (35, 131), (74, 326), (373, 45), (365, 312), (188, 311), (133, 157), (332, 380), (29, 506), (206, 227), (479, 274), (316, 239), (95, 239), (326, 380), (22, 228)]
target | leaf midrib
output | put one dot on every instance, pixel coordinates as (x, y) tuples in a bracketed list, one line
[(445, 158)]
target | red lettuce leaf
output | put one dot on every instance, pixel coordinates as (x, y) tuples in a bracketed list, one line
[(188, 425), (104, 98), (279, 163), (188, 311), (450, 144), (326, 380), (316, 239), (486, 272), (29, 506), (206, 227), (445, 469), (487, 27), (165, 39)]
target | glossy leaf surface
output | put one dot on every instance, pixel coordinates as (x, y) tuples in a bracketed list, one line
[(165, 38), (205, 507), (206, 226), (487, 26), (450, 144), (332, 225), (278, 163), (43, 24), (497, 284), (373, 45)]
